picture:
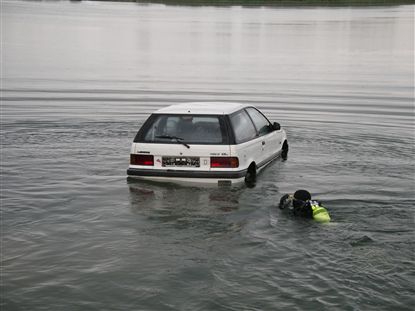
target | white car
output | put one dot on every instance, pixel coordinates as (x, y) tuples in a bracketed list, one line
[(216, 143)]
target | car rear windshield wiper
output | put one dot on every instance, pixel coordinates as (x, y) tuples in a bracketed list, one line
[(178, 139)]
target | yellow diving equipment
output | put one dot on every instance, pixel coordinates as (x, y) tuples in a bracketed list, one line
[(320, 214)]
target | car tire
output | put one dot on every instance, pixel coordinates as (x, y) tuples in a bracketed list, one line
[(284, 150), (250, 177)]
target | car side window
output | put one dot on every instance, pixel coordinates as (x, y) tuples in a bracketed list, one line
[(243, 127), (261, 123)]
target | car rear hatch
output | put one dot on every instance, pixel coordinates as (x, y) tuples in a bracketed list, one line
[(184, 145)]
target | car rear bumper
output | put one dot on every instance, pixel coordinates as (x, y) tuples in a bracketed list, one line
[(192, 174)]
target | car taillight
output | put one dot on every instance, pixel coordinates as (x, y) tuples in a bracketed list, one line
[(141, 159), (224, 162)]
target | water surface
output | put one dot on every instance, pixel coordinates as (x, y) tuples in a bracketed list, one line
[(77, 81)]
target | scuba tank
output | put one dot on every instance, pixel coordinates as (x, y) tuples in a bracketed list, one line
[(320, 214)]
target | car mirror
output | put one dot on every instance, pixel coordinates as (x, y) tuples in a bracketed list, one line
[(276, 126)]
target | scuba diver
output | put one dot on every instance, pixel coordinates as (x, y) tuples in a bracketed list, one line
[(300, 204)]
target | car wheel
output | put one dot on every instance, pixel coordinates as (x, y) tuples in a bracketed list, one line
[(284, 151), (250, 177)]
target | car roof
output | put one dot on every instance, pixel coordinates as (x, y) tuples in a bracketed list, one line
[(215, 108)]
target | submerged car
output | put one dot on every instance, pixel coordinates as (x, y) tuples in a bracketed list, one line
[(206, 142)]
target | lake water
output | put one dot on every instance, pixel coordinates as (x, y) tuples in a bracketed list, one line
[(79, 78)]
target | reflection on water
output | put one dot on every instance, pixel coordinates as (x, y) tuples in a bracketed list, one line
[(168, 195), (78, 80)]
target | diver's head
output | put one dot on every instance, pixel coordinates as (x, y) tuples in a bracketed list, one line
[(300, 198)]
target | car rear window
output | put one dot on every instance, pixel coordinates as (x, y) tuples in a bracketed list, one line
[(192, 129)]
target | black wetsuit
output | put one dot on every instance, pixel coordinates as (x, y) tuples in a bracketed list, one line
[(304, 210)]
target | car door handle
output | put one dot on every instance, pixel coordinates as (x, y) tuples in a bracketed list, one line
[(263, 143)]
